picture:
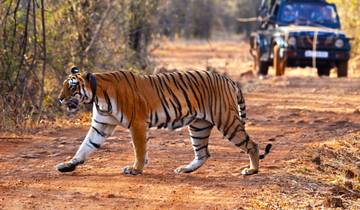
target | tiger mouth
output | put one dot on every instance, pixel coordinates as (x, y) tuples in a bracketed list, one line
[(72, 105)]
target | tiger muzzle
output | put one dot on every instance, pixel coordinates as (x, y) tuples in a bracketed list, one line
[(72, 104)]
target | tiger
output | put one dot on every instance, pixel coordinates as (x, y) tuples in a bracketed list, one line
[(200, 100)]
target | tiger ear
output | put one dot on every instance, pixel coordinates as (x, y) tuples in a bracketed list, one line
[(87, 76), (75, 70)]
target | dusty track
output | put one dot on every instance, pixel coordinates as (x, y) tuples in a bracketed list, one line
[(292, 113)]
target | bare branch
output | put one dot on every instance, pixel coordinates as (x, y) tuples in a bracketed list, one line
[(5, 22), (35, 35), (23, 46), (98, 28), (42, 93), (15, 24)]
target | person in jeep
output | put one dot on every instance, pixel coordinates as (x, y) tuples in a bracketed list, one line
[(300, 33), (288, 14)]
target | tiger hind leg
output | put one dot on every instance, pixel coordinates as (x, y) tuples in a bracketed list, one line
[(199, 134), (241, 139)]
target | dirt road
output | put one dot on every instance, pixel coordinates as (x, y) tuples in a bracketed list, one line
[(298, 114)]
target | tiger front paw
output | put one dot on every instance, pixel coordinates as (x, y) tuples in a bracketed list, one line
[(68, 166), (65, 167), (249, 171), (129, 170)]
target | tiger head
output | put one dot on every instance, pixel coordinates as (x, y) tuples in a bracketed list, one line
[(78, 88)]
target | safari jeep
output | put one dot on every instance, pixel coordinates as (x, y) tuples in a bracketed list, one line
[(300, 33)]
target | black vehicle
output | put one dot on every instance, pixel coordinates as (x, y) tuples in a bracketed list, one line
[(300, 33)]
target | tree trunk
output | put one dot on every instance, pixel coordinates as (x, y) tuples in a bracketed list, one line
[(140, 31), (42, 91)]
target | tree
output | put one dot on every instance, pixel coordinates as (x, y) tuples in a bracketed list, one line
[(349, 12), (141, 15), (20, 52)]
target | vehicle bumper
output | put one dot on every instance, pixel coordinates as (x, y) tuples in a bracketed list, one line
[(298, 57)]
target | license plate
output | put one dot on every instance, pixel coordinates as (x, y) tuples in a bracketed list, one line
[(317, 54)]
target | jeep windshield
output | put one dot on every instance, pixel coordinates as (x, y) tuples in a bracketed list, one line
[(310, 14)]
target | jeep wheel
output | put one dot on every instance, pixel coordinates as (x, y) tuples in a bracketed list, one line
[(342, 69), (323, 71), (279, 63), (261, 67)]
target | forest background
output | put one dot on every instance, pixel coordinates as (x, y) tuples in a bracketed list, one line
[(41, 40)]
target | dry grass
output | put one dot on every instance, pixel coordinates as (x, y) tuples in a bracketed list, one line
[(325, 175), (333, 161)]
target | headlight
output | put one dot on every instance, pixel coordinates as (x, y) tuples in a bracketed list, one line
[(292, 41), (339, 43)]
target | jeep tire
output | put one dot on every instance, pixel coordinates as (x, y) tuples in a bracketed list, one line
[(279, 63), (323, 71), (260, 67), (342, 68)]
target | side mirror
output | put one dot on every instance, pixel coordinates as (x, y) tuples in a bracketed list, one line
[(75, 70)]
